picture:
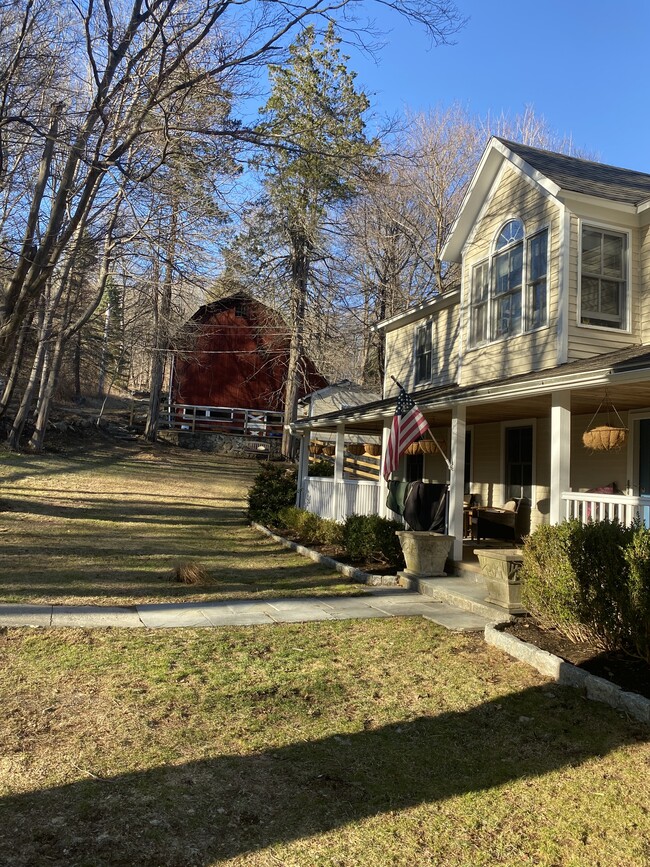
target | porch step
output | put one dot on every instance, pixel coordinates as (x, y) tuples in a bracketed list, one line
[(460, 591)]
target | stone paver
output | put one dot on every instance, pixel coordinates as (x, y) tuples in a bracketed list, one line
[(25, 615), (95, 615), (455, 619), (374, 602)]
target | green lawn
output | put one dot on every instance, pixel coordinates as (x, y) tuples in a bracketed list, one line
[(108, 525), (348, 743)]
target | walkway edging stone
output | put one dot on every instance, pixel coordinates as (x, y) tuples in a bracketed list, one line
[(352, 572), (563, 672)]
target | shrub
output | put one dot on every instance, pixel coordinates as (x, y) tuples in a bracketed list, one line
[(591, 582), (550, 589), (322, 469), (274, 488), (331, 533), (369, 537), (637, 609)]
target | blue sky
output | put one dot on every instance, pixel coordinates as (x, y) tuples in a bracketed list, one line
[(582, 64)]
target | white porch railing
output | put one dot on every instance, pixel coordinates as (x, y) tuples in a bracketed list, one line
[(336, 501), (599, 507)]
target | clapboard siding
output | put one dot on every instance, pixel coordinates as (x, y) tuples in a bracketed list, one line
[(513, 198), (595, 469), (400, 351), (644, 286)]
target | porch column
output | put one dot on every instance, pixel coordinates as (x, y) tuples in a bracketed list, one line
[(303, 470), (339, 459), (457, 479), (560, 452), (383, 484)]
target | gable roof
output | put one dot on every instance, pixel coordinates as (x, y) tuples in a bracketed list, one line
[(585, 176), (554, 174)]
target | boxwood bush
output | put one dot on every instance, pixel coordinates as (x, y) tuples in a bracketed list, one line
[(369, 537), (273, 488), (591, 581)]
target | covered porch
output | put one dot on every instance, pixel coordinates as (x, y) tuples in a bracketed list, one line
[(507, 441)]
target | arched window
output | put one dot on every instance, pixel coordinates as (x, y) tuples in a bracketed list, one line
[(508, 264), (509, 290)]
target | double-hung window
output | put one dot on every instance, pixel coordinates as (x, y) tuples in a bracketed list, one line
[(479, 332), (536, 287), (603, 285), (508, 270), (509, 292), (423, 353)]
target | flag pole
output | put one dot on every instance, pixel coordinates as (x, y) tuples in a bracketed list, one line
[(444, 456)]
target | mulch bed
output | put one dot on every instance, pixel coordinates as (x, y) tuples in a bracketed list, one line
[(373, 567), (631, 674)]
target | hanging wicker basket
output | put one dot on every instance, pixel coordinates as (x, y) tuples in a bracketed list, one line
[(315, 449), (371, 449), (604, 438), (428, 447), (329, 450), (355, 448)]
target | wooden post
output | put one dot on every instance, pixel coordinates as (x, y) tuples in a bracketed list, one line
[(560, 452), (383, 484), (457, 479), (303, 470), (339, 490)]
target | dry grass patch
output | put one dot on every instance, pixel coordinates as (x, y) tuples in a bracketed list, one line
[(359, 743), (108, 525)]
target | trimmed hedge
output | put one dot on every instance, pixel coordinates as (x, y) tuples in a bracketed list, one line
[(369, 537), (592, 582), (364, 538)]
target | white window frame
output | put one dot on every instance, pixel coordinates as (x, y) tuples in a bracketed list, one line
[(424, 325), (523, 422), (473, 304), (526, 285), (627, 236)]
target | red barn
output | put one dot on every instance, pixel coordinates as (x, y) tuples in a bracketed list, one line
[(232, 375)]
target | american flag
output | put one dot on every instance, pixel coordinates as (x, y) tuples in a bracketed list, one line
[(408, 425)]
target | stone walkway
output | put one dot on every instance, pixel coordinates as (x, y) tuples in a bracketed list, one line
[(380, 602)]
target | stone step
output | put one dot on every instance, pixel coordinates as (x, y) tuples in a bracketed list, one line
[(461, 592)]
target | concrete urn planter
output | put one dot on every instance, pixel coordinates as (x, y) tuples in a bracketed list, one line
[(500, 569), (425, 552)]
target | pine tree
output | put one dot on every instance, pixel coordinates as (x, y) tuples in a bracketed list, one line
[(314, 123)]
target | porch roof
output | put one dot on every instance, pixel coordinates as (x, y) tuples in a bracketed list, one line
[(522, 396)]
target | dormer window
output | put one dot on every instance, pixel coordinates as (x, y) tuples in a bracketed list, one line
[(603, 284), (509, 291)]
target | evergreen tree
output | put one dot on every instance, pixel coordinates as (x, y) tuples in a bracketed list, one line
[(314, 121)]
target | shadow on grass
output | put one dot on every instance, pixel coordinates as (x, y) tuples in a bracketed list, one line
[(140, 512), (197, 812), (95, 579)]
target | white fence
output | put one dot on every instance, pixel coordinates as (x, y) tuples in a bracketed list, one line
[(336, 501), (599, 507)]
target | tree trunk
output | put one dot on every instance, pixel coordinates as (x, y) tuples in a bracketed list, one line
[(12, 376), (161, 341), (46, 392), (27, 398), (299, 282)]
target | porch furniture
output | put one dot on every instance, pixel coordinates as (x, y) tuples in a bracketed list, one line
[(511, 522)]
